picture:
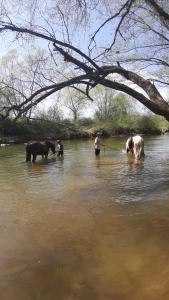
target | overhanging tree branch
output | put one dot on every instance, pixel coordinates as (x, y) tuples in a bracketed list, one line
[(92, 73), (163, 15), (4, 26)]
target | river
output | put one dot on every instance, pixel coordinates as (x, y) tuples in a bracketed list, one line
[(85, 228)]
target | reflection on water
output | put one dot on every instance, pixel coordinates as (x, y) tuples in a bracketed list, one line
[(84, 227)]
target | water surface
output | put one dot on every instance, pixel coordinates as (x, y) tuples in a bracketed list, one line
[(85, 228)]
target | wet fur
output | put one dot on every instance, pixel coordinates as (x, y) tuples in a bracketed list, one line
[(135, 146)]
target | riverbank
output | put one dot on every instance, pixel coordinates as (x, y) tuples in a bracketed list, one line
[(76, 134), (23, 131)]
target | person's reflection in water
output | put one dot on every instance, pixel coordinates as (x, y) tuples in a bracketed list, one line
[(98, 168), (60, 164), (97, 161)]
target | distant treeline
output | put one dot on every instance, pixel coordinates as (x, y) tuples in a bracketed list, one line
[(24, 130)]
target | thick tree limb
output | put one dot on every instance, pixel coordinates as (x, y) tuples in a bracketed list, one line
[(162, 109), (163, 15), (70, 58)]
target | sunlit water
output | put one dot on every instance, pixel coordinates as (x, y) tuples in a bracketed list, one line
[(85, 228)]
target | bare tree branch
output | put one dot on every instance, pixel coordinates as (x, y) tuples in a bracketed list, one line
[(11, 27)]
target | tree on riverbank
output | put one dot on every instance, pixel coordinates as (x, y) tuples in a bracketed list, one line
[(19, 77), (126, 49), (75, 102)]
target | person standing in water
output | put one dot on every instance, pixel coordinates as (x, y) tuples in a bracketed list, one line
[(97, 144), (59, 149)]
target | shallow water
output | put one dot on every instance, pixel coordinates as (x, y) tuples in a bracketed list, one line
[(85, 228)]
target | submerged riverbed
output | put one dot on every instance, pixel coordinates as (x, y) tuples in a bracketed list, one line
[(85, 228)]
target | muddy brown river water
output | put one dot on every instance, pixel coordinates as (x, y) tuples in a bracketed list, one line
[(85, 228)]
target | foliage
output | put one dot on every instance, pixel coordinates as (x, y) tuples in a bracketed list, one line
[(53, 113), (75, 101), (149, 124), (133, 124), (113, 110), (86, 122), (104, 103), (39, 129)]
